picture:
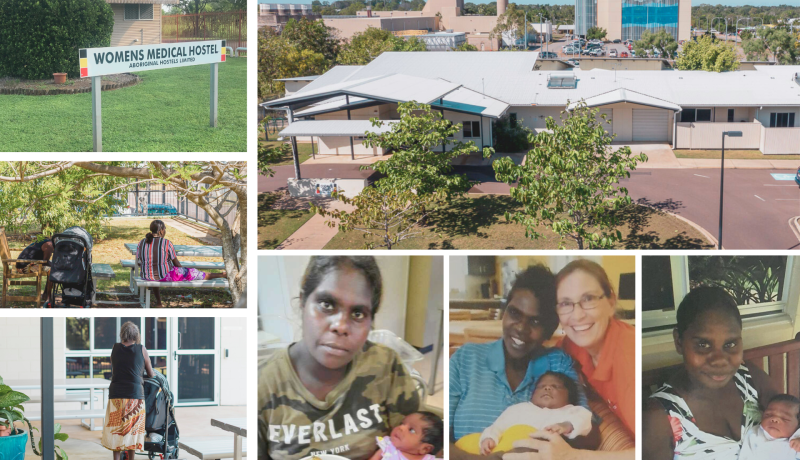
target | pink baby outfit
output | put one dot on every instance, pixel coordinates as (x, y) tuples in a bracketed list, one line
[(390, 452)]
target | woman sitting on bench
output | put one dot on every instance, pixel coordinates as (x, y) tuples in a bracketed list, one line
[(158, 261)]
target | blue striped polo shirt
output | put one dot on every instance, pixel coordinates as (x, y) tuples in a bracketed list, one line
[(479, 389)]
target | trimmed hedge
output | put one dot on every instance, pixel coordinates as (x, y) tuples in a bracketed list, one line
[(41, 37)]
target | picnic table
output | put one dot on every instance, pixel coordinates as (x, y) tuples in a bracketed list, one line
[(183, 250), (237, 426), (70, 384)]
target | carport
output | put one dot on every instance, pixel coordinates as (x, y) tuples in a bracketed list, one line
[(635, 116), (331, 134)]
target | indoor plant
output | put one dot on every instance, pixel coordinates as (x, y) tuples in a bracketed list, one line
[(12, 440)]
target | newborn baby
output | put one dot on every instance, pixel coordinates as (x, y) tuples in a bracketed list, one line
[(770, 440), (553, 407), (419, 437)]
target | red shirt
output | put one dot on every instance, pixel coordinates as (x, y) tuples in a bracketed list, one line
[(614, 378)]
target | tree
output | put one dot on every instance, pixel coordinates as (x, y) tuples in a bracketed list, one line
[(206, 184), (596, 33), (280, 58), (314, 36), (569, 181), (510, 22), (779, 43), (417, 162), (706, 54), (365, 46), (388, 213), (353, 8), (40, 38), (661, 41), (465, 47)]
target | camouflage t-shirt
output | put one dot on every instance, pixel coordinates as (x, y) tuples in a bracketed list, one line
[(373, 398)]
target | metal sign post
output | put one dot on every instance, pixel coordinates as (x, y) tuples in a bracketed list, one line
[(95, 62), (214, 93), (97, 126)]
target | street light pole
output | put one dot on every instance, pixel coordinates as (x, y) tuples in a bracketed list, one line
[(712, 23), (722, 181)]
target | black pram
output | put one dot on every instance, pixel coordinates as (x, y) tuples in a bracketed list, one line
[(162, 431), (72, 268)]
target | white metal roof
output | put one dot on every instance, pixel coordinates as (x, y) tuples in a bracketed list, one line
[(335, 128), (510, 78), (308, 78), (624, 95)]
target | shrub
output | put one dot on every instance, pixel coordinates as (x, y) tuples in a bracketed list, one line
[(39, 38), (510, 137)]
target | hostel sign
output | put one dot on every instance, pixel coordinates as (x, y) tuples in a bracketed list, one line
[(119, 59), (95, 62)]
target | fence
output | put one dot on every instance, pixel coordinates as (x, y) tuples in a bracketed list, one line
[(206, 26), (709, 135), (158, 200)]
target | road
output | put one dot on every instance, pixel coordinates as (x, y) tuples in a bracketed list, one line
[(757, 206)]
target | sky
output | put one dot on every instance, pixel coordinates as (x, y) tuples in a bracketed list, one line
[(795, 3)]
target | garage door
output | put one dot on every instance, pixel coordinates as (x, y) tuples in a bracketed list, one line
[(608, 113), (651, 125)]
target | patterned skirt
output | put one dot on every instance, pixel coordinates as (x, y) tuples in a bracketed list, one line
[(124, 425), (183, 274)]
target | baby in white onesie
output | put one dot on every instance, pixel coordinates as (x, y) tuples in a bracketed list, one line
[(771, 439), (553, 407)]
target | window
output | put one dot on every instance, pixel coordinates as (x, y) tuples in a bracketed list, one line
[(781, 120), (758, 283), (513, 118), (730, 115), (472, 129), (138, 12), (90, 340), (694, 115)]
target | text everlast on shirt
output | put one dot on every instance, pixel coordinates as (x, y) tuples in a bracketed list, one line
[(372, 399)]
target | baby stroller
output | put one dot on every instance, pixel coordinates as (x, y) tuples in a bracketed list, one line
[(162, 431), (72, 268)]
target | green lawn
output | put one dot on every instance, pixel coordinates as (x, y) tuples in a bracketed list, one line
[(110, 250), (303, 152), (731, 155), (477, 222), (168, 111), (275, 225)]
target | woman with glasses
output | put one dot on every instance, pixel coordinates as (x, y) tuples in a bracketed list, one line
[(603, 348)]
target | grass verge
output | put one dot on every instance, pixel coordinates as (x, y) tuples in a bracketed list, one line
[(477, 222), (167, 112), (275, 225)]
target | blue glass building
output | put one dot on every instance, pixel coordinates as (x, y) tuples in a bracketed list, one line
[(652, 15)]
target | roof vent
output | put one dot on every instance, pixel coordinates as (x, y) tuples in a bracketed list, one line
[(562, 80)]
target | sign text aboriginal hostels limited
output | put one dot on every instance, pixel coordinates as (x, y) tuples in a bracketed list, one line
[(104, 61)]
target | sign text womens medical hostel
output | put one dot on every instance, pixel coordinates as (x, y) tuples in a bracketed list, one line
[(105, 61)]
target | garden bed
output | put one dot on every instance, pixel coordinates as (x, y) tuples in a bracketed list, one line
[(10, 85)]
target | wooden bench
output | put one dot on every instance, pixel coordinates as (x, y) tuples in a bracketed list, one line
[(781, 361), (211, 447), (145, 285), (126, 263)]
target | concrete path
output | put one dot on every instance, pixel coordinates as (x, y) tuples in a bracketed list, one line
[(661, 156), (315, 233)]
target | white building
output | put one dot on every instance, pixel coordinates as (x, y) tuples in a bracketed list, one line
[(204, 358), (687, 109)]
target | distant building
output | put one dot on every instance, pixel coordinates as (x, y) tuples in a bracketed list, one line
[(137, 23), (443, 41), (437, 15), (276, 15), (626, 20)]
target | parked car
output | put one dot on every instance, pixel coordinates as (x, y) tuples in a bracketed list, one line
[(597, 52), (714, 31), (617, 40), (797, 177), (571, 50), (624, 54), (630, 46), (633, 53), (587, 52), (574, 62), (612, 53), (548, 55)]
